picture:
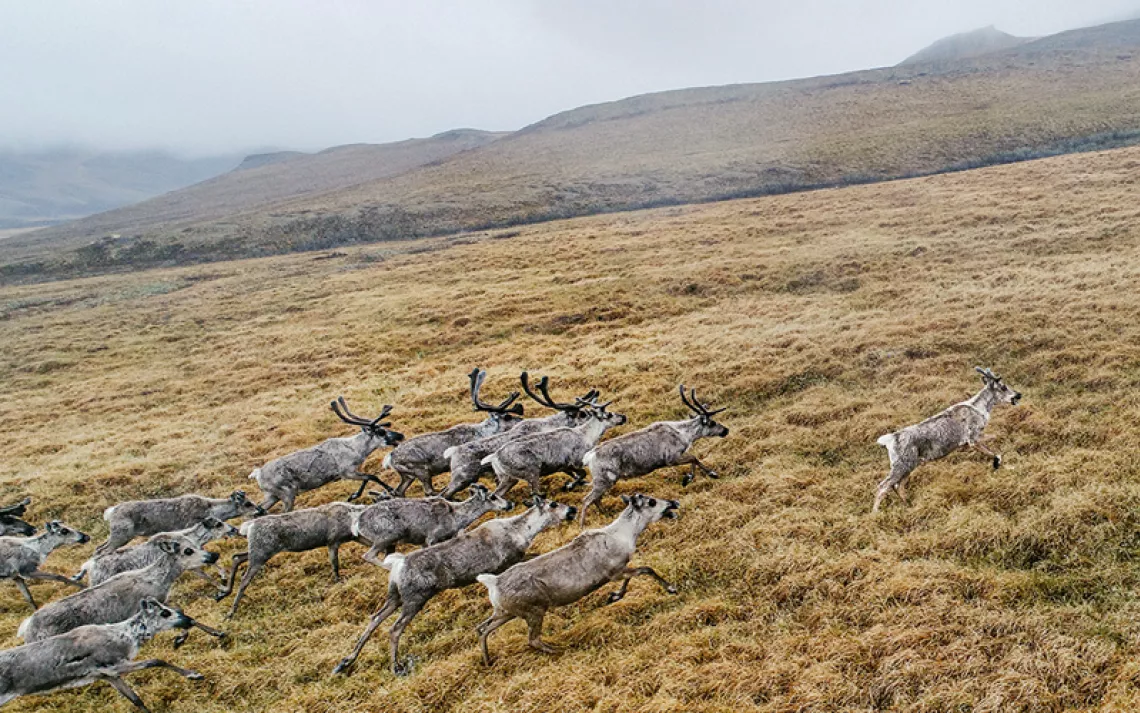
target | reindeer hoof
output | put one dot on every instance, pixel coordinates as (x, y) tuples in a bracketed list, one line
[(195, 676), (404, 668), (671, 589), (713, 474), (686, 479), (179, 641), (345, 666), (997, 462), (614, 597)]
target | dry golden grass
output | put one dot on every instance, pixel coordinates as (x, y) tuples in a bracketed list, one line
[(824, 319)]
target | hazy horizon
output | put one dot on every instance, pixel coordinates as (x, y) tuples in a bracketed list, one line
[(215, 78)]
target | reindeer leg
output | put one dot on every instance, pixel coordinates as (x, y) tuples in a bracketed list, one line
[(900, 490), (485, 630), (694, 463), (23, 587), (601, 485), (369, 478), (577, 478), (202, 575), (55, 578), (534, 635), (980, 446), (121, 686), (391, 604), (629, 573), (269, 502), (183, 636), (132, 666), (237, 559), (505, 485), (334, 560), (407, 613), (254, 568)]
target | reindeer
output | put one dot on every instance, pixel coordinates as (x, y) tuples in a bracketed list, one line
[(142, 518), (466, 460), (559, 450), (565, 575), (100, 652), (660, 445), (10, 522), (425, 521), (21, 557), (335, 459), (100, 568), (329, 525), (416, 578), (118, 598), (422, 457), (959, 426)]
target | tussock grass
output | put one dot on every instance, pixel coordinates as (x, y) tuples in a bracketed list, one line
[(823, 319)]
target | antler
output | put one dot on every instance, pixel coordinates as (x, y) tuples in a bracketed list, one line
[(987, 373), (695, 404), (340, 408), (478, 376), (545, 399), (16, 510)]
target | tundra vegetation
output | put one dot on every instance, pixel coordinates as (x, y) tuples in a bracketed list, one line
[(823, 320)]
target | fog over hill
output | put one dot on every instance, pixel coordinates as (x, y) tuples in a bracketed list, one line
[(966, 45)]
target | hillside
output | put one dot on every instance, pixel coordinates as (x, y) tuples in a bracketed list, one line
[(821, 319), (52, 186), (1074, 91), (966, 45), (262, 181)]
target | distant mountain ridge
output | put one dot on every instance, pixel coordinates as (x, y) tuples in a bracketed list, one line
[(966, 45), (44, 186), (1074, 91)]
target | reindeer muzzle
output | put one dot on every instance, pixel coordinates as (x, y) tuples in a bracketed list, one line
[(84, 537), (671, 510), (211, 557), (571, 513), (1015, 399), (395, 437)]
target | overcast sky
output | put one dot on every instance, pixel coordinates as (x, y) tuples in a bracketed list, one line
[(207, 76)]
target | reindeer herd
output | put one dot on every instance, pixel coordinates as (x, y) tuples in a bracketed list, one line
[(95, 633)]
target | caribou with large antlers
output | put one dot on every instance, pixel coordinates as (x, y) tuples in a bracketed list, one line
[(422, 457), (466, 460), (660, 445), (335, 459), (959, 426), (557, 451)]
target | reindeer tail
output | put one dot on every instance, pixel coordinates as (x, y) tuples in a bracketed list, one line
[(889, 441), (395, 564), (491, 582), (109, 512), (386, 464), (355, 526), (450, 452)]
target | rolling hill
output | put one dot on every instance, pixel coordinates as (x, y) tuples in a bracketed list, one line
[(966, 45), (1073, 91)]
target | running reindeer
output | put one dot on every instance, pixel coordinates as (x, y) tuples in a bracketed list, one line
[(659, 445), (557, 451), (466, 460), (959, 426), (335, 459), (422, 457)]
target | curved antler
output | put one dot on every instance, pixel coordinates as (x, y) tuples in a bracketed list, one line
[(695, 404), (525, 379), (987, 373), (478, 376), (340, 408)]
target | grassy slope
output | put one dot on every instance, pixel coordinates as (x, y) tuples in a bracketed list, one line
[(700, 144), (824, 319)]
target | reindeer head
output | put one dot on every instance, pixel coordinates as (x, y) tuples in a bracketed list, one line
[(1001, 391), (597, 412), (493, 502), (65, 534), (244, 505), (574, 413), (218, 530), (650, 509), (703, 416), (186, 553), (376, 427), (154, 617), (506, 414), (552, 512)]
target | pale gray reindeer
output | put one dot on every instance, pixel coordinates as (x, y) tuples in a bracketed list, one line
[(328, 525), (142, 518), (100, 568), (21, 557), (556, 451), (11, 523), (416, 578), (99, 652), (565, 575), (423, 521), (118, 598), (467, 459), (659, 445), (421, 458), (959, 426), (335, 459)]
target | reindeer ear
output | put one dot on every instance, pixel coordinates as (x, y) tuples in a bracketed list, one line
[(170, 547), (212, 522)]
